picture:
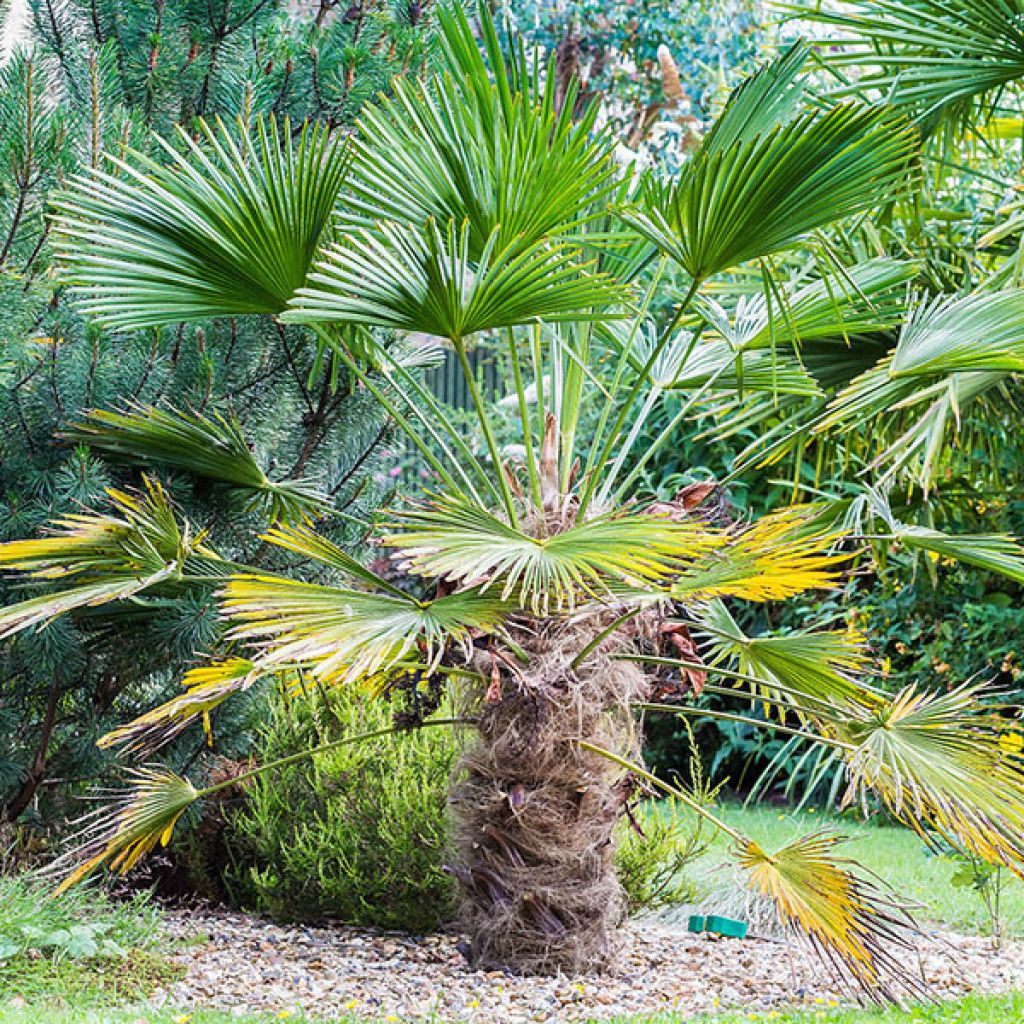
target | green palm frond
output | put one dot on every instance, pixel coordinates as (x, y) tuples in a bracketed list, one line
[(865, 299), (348, 636), (929, 55), (992, 551), (466, 544), (984, 331), (767, 193), (819, 673), (206, 688), (945, 762), (478, 146), (228, 227), (858, 928), (97, 559), (129, 826), (212, 446), (425, 279)]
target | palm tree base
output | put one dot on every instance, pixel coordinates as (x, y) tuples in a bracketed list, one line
[(534, 814)]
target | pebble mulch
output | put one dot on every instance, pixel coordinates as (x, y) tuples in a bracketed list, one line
[(241, 963)]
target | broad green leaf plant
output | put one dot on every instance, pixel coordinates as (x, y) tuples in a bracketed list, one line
[(473, 209)]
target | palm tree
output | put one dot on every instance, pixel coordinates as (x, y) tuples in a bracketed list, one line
[(472, 209)]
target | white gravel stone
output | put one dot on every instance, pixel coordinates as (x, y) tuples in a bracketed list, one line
[(249, 964)]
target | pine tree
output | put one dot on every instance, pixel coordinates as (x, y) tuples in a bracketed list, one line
[(101, 73)]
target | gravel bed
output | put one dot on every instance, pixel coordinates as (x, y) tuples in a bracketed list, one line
[(242, 963)]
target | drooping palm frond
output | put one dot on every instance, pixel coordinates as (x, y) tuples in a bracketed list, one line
[(303, 540), (206, 688), (865, 299), (97, 559), (932, 56), (348, 636), (228, 227), (467, 544), (945, 764), (780, 555), (425, 279), (913, 421), (131, 824), (858, 928), (767, 193), (210, 446)]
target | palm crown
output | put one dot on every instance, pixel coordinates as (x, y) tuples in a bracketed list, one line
[(473, 208)]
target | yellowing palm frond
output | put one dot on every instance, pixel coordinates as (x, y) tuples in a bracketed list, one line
[(942, 762), (206, 688), (858, 928), (345, 635), (782, 554), (101, 558), (130, 826), (466, 544)]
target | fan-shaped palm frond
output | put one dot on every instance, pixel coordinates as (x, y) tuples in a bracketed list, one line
[(860, 929), (99, 559), (120, 834), (212, 446), (425, 279), (226, 228), (984, 331), (348, 636), (469, 545), (944, 761), (994, 552), (769, 192), (478, 146), (206, 688), (864, 299), (782, 554), (818, 673), (930, 55)]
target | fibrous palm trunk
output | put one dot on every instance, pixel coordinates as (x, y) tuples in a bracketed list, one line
[(534, 813)]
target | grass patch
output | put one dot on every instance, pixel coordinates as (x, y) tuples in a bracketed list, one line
[(972, 1010), (893, 853), (1007, 1009), (78, 949)]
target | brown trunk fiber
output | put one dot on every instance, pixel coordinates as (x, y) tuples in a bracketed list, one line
[(534, 814)]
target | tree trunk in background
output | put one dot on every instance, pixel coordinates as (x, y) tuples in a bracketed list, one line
[(534, 814)]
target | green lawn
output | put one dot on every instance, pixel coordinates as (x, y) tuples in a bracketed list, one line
[(893, 853), (975, 1010)]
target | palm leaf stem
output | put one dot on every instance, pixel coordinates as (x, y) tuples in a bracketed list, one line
[(729, 716), (407, 428), (680, 794), (524, 416), (652, 449), (444, 419), (305, 755), (795, 694), (488, 431), (620, 420), (596, 642)]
